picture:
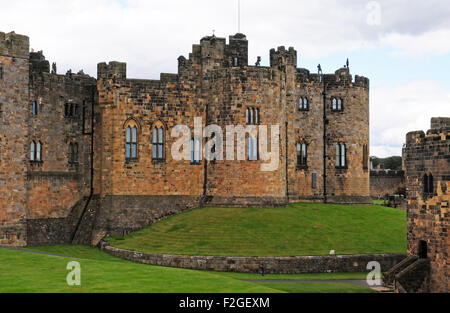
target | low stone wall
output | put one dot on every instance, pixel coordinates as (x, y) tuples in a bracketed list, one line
[(272, 265), (386, 183)]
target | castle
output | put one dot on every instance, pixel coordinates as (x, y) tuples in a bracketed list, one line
[(426, 159), (82, 158)]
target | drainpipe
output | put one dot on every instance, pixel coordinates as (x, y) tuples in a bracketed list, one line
[(325, 137)]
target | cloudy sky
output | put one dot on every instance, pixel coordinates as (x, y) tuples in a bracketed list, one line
[(403, 46)]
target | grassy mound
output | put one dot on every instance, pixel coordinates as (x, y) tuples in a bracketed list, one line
[(297, 230), (28, 272)]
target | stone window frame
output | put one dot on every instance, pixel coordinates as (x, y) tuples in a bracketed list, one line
[(252, 148), (302, 154), (341, 156), (73, 153), (159, 138), (303, 104), (34, 108), (36, 152), (132, 130), (337, 104), (428, 185), (195, 153), (71, 110), (252, 116)]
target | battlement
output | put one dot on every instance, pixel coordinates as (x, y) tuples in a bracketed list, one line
[(440, 131), (439, 123), (14, 45), (111, 70), (215, 51), (38, 63), (341, 77), (282, 57)]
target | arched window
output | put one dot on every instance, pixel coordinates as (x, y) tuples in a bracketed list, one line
[(305, 104), (38, 152), (158, 143), (235, 61), (161, 144), (35, 108), (300, 104), (341, 156), (339, 105), (302, 155), (33, 151), (252, 116), (334, 104), (131, 146)]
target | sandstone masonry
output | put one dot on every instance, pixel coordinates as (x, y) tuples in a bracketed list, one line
[(82, 158), (427, 164)]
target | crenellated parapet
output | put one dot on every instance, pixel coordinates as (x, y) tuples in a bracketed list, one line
[(14, 45), (111, 70), (281, 57)]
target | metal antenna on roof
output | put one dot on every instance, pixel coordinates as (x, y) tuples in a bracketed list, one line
[(239, 16)]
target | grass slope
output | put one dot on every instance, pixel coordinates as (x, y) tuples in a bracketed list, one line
[(296, 230), (27, 272)]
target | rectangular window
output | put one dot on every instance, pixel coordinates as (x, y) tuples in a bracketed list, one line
[(252, 148), (302, 155), (1, 72), (195, 151), (341, 156), (314, 180)]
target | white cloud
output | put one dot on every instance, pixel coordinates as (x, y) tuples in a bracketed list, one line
[(436, 42), (397, 110), (150, 35)]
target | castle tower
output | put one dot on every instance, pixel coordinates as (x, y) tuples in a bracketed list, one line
[(14, 111)]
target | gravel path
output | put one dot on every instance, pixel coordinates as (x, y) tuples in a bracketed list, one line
[(362, 283)]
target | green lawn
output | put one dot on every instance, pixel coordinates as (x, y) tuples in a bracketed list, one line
[(28, 272), (295, 230)]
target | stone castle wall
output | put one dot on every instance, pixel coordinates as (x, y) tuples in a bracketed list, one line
[(386, 183), (429, 210), (14, 109), (215, 83)]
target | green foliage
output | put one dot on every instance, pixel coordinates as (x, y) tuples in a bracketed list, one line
[(392, 163), (297, 230)]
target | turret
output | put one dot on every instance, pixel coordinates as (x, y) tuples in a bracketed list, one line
[(111, 70), (281, 57)]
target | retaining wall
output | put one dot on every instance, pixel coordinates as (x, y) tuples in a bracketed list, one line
[(272, 265)]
